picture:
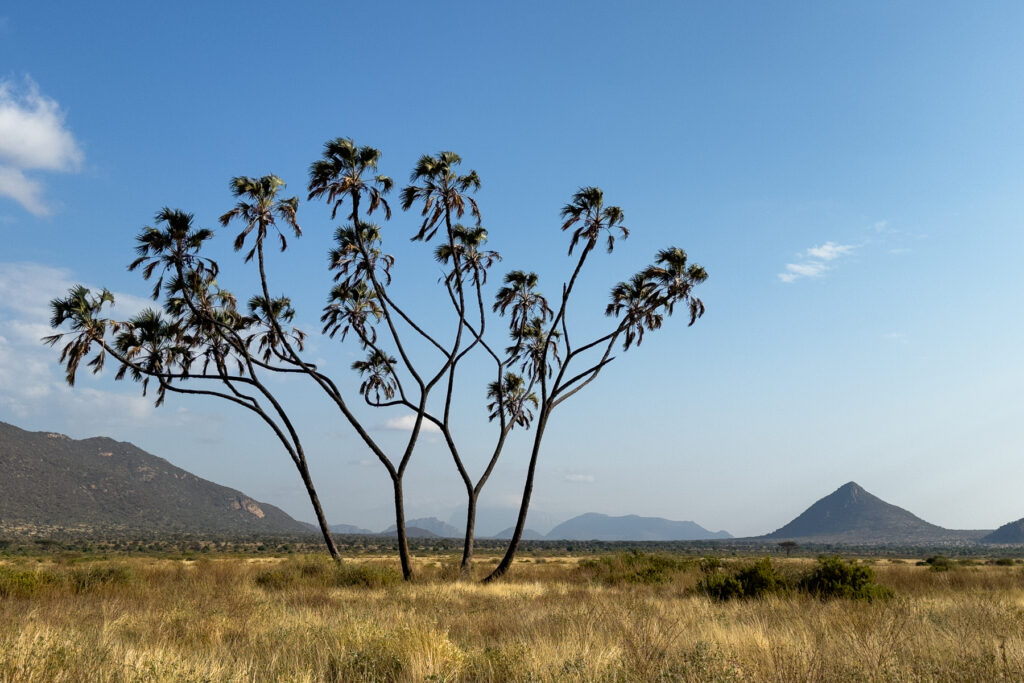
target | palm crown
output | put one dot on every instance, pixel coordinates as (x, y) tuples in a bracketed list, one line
[(465, 248), (442, 191), (588, 210), (340, 173), (259, 208), (175, 242)]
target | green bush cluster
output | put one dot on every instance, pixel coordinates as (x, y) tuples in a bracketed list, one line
[(937, 563), (749, 581), (834, 578), (831, 577), (635, 567)]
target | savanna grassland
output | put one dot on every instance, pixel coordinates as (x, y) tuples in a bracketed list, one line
[(610, 618)]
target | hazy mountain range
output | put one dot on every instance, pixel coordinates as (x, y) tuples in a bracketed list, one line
[(49, 481)]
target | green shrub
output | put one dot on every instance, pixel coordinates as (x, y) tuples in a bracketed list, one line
[(1004, 562), (634, 567), (22, 583), (835, 578), (750, 581), (710, 564), (721, 586), (938, 563)]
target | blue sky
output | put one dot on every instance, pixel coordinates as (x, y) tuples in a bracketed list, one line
[(850, 174)]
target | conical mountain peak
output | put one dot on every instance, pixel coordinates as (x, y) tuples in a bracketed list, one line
[(850, 514)]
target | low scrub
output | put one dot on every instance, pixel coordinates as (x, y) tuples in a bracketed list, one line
[(754, 580), (26, 583), (635, 567), (831, 577), (326, 574), (834, 578)]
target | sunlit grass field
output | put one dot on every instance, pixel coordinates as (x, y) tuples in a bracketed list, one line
[(556, 619)]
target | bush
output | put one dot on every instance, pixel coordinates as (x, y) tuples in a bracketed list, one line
[(721, 586), (22, 584), (1004, 562), (834, 578), (634, 567), (750, 581), (938, 563)]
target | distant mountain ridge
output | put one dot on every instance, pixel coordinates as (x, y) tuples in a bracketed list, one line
[(52, 481), (432, 525), (594, 526), (1011, 533), (851, 515)]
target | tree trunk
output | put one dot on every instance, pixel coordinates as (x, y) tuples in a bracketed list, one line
[(320, 518), (524, 507), (467, 549), (403, 540)]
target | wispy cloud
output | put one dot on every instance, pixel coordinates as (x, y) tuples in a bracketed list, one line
[(829, 251), (580, 478), (33, 137), (407, 422), (814, 262)]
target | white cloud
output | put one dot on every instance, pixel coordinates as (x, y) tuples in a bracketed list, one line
[(580, 478), (829, 251), (815, 261), (407, 422), (28, 193), (33, 137), (795, 271)]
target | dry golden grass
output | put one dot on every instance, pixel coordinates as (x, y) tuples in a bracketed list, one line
[(298, 620)]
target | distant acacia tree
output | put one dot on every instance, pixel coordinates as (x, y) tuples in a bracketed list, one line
[(788, 546), (202, 343)]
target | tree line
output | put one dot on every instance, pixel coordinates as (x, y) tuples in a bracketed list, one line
[(204, 340)]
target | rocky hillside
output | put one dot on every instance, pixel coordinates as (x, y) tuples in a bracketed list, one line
[(1011, 533), (49, 481)]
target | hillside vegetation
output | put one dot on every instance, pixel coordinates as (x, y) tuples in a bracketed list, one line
[(51, 482)]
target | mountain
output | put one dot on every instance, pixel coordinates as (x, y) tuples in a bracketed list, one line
[(432, 525), (51, 481), (491, 520), (852, 515), (593, 526), (528, 534), (1011, 533)]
